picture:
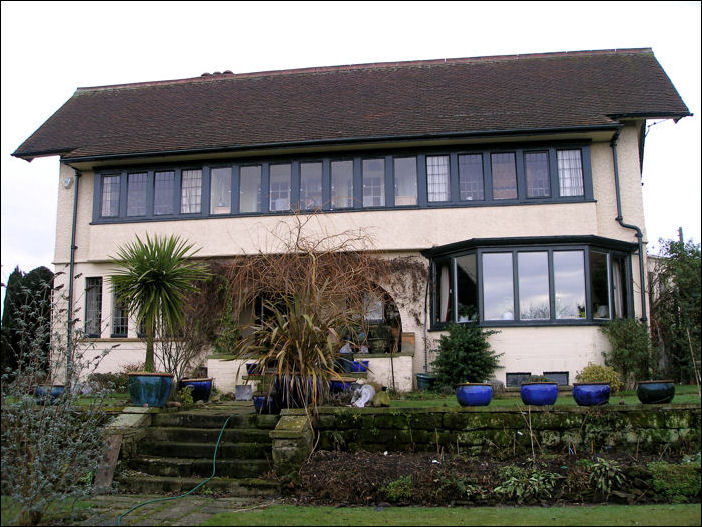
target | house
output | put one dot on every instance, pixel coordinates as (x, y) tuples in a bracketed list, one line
[(514, 180)]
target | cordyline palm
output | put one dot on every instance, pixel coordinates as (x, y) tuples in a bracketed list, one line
[(152, 279)]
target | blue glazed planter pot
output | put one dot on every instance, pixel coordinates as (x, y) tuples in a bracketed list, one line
[(474, 394), (264, 404), (539, 393), (52, 391), (359, 366), (200, 388), (152, 389), (591, 393), (655, 392), (340, 385)]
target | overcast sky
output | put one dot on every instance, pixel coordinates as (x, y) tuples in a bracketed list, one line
[(50, 49)]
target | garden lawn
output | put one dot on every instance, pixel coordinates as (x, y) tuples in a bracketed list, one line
[(684, 394), (688, 514)]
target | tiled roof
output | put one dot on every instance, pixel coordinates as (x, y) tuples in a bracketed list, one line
[(359, 102)]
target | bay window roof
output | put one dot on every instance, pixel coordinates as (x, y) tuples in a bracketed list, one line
[(457, 248), (535, 93)]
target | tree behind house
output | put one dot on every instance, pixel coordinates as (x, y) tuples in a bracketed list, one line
[(675, 292)]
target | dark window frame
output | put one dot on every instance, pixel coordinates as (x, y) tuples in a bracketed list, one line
[(119, 319), (93, 286), (418, 154), (515, 249)]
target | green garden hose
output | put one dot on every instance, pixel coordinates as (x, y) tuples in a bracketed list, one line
[(214, 461)]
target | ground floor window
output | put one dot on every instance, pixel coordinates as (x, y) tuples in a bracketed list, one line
[(531, 284)]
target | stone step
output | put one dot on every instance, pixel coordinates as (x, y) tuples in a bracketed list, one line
[(209, 435), (216, 419), (146, 484), (205, 450), (201, 467)]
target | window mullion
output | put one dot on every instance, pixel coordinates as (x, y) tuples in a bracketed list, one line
[(389, 182), (521, 175), (515, 286), (295, 185), (454, 288), (150, 184), (454, 186), (551, 287)]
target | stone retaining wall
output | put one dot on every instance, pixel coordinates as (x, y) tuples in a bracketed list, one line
[(506, 433)]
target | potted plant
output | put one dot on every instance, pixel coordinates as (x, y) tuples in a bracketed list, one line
[(48, 391), (655, 392), (538, 390), (594, 385), (425, 381), (152, 278), (474, 394), (201, 388), (463, 313), (465, 359)]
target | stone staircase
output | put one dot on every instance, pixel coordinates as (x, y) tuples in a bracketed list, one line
[(176, 453)]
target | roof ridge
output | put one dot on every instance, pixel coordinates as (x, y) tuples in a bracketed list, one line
[(228, 75)]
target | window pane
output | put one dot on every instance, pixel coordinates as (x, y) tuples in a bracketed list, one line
[(534, 303), (93, 306), (373, 309), (310, 186), (373, 182), (443, 296), (164, 188), (280, 187), (570, 172), (191, 191), (437, 178), (504, 176), (467, 287), (136, 194), (119, 318), (569, 283), (537, 177), (250, 189), (470, 168), (341, 184), (498, 286), (110, 196), (599, 285), (405, 181), (619, 286), (221, 190)]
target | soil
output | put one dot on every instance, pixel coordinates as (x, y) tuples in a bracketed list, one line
[(361, 478)]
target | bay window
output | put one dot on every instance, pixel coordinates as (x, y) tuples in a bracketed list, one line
[(539, 284)]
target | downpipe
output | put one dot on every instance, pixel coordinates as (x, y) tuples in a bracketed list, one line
[(71, 272), (620, 220)]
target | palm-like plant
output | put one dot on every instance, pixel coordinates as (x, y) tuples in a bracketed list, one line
[(152, 278)]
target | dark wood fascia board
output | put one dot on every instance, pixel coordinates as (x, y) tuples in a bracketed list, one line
[(452, 249), (356, 140)]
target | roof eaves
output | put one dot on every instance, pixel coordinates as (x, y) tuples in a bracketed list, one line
[(29, 156), (370, 139)]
